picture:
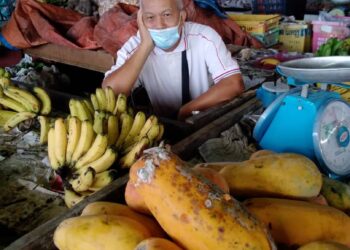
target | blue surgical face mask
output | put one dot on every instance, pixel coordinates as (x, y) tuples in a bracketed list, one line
[(165, 38)]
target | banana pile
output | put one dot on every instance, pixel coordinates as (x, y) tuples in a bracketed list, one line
[(18, 105), (98, 133), (344, 93), (334, 47)]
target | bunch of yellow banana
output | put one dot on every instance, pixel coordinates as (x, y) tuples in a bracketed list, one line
[(104, 100), (345, 93), (80, 156), (138, 134), (24, 105)]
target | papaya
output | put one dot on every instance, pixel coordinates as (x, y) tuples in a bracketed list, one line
[(195, 213), (274, 175), (214, 177), (134, 200), (217, 166), (293, 222), (109, 208), (261, 153), (320, 199), (323, 245), (104, 232), (157, 244), (336, 193)]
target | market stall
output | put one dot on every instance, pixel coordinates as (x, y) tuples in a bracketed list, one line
[(266, 170)]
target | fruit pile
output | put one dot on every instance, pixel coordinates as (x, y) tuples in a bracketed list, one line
[(18, 105), (334, 47), (98, 133), (280, 206)]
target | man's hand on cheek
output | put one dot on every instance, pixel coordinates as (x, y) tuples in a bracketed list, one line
[(146, 39)]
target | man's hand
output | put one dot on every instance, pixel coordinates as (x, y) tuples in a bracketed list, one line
[(146, 39)]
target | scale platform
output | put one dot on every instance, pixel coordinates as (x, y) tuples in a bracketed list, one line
[(308, 120)]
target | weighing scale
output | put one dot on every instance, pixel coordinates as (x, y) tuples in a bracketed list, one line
[(308, 120)]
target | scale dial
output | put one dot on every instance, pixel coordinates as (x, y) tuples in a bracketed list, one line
[(331, 137)]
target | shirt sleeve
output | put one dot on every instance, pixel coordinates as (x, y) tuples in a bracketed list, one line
[(123, 54), (218, 58)]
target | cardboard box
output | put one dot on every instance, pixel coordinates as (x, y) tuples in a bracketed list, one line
[(295, 37), (257, 24)]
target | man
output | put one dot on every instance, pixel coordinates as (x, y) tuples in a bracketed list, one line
[(176, 62)]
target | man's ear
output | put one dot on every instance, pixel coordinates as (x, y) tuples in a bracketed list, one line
[(183, 16)]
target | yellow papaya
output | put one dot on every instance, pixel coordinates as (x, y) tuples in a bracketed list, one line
[(195, 213), (157, 244), (110, 208), (274, 175), (323, 245), (261, 153), (293, 222), (134, 200), (103, 232), (336, 193)]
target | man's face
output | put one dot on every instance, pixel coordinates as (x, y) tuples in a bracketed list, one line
[(161, 14)]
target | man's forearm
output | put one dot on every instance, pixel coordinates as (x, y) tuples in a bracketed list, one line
[(221, 92), (123, 79)]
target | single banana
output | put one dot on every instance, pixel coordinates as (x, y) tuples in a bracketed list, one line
[(96, 150), (83, 181), (60, 141), (44, 128), (85, 140), (131, 111), (160, 134), (152, 120), (89, 106), (5, 115), (82, 111), (99, 118), (101, 99), (94, 102), (73, 108), (103, 179), (74, 130), (18, 118), (55, 165), (153, 133), (5, 82), (139, 122), (126, 123), (72, 198), (121, 105), (103, 163), (45, 100), (111, 102), (112, 129), (12, 104), (24, 97), (127, 160)]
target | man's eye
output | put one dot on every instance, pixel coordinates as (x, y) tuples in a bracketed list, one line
[(149, 17), (167, 14)]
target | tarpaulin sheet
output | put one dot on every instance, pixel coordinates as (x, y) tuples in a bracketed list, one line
[(34, 23)]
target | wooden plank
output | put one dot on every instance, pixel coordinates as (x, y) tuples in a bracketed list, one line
[(211, 114), (41, 237), (186, 148), (98, 60)]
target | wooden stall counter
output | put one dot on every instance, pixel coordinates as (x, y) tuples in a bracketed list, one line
[(96, 60)]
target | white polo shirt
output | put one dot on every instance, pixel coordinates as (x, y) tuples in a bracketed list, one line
[(209, 61)]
